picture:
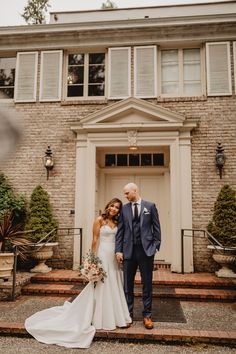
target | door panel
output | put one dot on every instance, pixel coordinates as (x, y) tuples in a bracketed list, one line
[(154, 188)]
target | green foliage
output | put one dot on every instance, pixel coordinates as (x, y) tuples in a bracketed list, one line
[(12, 235), (108, 5), (35, 11), (40, 217), (11, 202), (223, 224)]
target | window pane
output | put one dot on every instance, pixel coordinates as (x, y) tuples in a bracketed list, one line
[(170, 87), (122, 160), (169, 71), (134, 160), (97, 58), (7, 92), (75, 75), (192, 71), (75, 91), (146, 159), (96, 74), (7, 76), (192, 88), (96, 90), (158, 159), (110, 160), (76, 59)]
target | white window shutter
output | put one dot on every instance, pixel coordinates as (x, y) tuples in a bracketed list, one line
[(145, 72), (218, 69), (234, 51), (50, 76), (119, 70), (26, 77)]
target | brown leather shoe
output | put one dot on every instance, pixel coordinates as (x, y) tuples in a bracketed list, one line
[(147, 321)]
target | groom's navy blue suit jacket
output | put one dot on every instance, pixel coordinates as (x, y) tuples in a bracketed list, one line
[(149, 227)]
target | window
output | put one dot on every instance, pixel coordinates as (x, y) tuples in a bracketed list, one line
[(86, 75), (114, 160), (7, 77), (181, 72)]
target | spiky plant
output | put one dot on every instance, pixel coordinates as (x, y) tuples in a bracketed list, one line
[(12, 235)]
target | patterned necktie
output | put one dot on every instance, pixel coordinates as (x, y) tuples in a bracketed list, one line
[(136, 211)]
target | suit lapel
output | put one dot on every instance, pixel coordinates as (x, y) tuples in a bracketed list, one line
[(141, 213)]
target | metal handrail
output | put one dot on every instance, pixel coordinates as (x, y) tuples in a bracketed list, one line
[(47, 237), (218, 247)]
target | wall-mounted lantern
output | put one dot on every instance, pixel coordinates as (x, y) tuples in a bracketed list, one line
[(220, 158), (48, 160)]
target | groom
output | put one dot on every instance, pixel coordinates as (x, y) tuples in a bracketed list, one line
[(138, 238)]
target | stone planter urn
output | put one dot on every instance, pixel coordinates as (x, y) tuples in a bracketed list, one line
[(226, 258), (41, 253), (6, 265)]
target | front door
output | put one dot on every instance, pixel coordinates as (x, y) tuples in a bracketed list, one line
[(154, 188)]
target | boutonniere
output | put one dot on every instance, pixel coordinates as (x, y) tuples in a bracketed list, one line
[(145, 211)]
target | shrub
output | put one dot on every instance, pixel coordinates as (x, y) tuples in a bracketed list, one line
[(223, 223), (11, 202), (40, 216)]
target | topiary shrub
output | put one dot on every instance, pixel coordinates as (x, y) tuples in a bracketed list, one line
[(40, 215), (223, 223)]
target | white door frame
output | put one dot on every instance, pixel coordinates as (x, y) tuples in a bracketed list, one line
[(180, 186)]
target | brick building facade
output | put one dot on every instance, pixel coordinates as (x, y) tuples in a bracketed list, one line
[(87, 80)]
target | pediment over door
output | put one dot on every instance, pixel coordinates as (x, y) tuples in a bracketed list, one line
[(133, 113)]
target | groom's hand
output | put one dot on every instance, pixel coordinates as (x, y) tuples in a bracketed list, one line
[(119, 257)]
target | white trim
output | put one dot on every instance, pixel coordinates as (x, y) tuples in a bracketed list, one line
[(58, 98), (234, 59), (154, 72), (129, 72), (17, 76), (228, 69)]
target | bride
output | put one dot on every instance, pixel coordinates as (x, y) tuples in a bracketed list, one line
[(73, 325)]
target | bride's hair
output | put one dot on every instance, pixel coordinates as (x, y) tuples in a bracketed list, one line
[(105, 214)]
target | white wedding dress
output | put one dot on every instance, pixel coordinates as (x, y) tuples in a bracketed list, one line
[(73, 325)]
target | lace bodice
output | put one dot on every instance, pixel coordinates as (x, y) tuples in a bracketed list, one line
[(107, 234)]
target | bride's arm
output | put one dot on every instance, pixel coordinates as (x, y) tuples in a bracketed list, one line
[(96, 232)]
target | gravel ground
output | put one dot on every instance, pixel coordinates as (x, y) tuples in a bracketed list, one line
[(199, 315), (10, 345)]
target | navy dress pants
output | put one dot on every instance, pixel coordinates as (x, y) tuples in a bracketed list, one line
[(145, 264)]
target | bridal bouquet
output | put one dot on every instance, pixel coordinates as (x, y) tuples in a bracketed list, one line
[(91, 269)]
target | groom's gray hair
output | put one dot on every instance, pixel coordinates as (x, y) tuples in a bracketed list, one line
[(131, 186)]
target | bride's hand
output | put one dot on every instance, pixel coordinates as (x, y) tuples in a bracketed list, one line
[(119, 257)]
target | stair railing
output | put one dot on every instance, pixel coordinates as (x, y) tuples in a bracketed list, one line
[(75, 231), (218, 247)]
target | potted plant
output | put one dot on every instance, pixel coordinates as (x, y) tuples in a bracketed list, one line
[(41, 220), (223, 229), (12, 219)]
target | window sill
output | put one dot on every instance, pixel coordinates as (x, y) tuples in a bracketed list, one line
[(182, 99), (83, 102)]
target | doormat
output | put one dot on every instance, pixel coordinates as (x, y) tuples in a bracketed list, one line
[(163, 310)]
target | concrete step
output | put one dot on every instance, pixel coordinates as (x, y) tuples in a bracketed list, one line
[(138, 332), (197, 294)]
